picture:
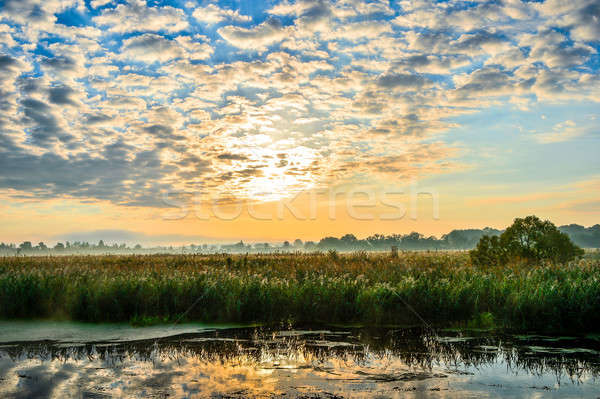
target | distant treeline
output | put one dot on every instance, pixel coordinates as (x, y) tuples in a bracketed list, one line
[(582, 236), (455, 240)]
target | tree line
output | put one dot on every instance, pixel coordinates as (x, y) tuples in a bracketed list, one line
[(464, 239)]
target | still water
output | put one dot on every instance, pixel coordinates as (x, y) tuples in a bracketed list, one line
[(60, 360)]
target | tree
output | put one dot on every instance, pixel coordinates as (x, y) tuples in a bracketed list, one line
[(26, 246), (59, 246), (489, 252), (527, 238), (412, 240), (349, 241), (329, 243), (310, 245)]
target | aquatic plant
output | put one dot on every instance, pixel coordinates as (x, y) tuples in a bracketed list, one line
[(443, 288)]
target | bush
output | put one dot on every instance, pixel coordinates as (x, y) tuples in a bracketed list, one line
[(530, 239)]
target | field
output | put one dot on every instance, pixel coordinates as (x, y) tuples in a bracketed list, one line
[(443, 288)]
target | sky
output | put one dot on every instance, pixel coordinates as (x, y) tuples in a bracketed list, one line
[(201, 121)]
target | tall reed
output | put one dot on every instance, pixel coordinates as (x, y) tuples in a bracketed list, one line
[(443, 288)]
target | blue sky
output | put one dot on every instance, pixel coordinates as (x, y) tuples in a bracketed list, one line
[(110, 104)]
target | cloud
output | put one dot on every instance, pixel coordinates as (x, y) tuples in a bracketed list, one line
[(561, 132), (151, 48), (585, 22), (146, 98), (97, 118), (553, 49), (195, 47), (8, 63), (259, 37), (35, 12), (358, 31), (311, 15), (479, 42), (464, 16), (433, 64), (232, 157), (410, 125), (62, 95), (401, 80), (43, 122), (117, 173), (6, 38), (136, 16), (591, 207), (484, 82), (212, 15), (59, 63), (431, 158), (99, 3), (582, 18)]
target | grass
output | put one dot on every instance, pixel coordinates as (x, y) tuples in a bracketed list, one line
[(371, 289)]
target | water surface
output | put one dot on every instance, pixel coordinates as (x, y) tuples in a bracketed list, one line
[(100, 361)]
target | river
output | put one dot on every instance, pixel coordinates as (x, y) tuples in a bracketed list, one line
[(60, 359)]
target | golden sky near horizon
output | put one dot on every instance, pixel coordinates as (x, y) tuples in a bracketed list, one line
[(489, 110)]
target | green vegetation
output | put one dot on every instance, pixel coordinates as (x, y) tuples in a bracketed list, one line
[(445, 288), (528, 238), (587, 237)]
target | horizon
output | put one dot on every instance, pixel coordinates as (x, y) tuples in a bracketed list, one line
[(161, 120), (130, 238)]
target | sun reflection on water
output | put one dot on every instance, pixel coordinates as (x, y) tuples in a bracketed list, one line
[(322, 364)]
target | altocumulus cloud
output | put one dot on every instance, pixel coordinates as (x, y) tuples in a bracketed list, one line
[(122, 102)]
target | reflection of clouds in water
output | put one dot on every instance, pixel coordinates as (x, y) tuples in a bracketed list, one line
[(194, 377), (243, 363)]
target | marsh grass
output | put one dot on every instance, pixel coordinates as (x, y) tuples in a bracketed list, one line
[(371, 289)]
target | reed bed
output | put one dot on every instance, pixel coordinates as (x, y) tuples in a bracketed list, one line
[(444, 288)]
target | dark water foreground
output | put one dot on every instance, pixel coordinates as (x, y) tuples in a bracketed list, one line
[(99, 361)]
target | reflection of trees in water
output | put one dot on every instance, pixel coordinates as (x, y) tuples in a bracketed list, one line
[(415, 348)]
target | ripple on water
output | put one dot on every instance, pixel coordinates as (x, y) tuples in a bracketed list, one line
[(89, 361)]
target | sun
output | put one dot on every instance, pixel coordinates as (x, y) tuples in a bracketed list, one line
[(269, 173)]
